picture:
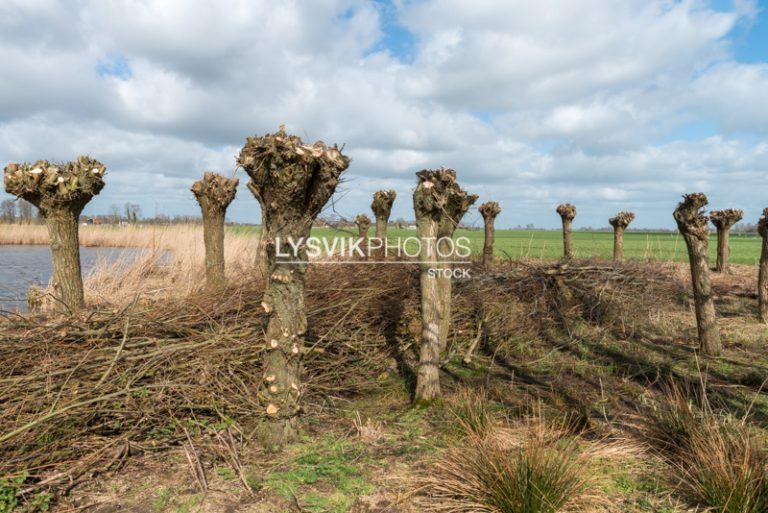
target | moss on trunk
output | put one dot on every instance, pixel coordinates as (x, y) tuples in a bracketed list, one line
[(620, 223), (292, 181), (214, 193), (439, 204), (489, 210), (723, 221), (60, 192), (694, 227), (567, 213)]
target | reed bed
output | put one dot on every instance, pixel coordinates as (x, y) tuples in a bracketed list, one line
[(164, 261), (168, 237)]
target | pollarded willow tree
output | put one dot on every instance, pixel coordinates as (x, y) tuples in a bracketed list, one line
[(363, 223), (60, 192), (439, 204), (382, 208), (762, 275), (723, 221), (694, 227), (489, 210), (292, 181), (567, 213), (620, 223), (214, 193)]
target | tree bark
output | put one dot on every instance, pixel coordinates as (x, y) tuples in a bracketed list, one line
[(285, 333), (723, 249), (762, 276), (213, 236), (694, 227), (618, 244), (439, 204), (567, 214), (292, 181), (63, 231), (261, 261), (567, 239), (489, 211), (432, 304), (444, 285), (488, 243), (214, 193)]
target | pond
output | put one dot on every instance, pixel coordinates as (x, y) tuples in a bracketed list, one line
[(22, 266)]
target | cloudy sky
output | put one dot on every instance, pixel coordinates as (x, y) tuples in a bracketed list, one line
[(606, 104)]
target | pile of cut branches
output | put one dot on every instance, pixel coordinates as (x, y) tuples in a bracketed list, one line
[(79, 395)]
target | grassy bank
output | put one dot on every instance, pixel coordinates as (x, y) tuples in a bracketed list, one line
[(515, 244)]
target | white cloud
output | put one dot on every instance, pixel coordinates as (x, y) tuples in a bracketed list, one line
[(533, 103)]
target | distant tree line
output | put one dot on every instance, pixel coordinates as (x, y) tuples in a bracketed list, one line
[(17, 211)]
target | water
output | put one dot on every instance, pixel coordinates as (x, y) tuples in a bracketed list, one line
[(22, 266)]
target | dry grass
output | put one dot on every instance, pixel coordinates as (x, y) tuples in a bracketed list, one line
[(721, 462), (726, 468), (531, 467)]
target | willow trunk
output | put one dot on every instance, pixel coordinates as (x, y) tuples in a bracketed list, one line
[(65, 258), (723, 249), (488, 245), (432, 303), (213, 236), (262, 260), (567, 239), (286, 328), (618, 244), (381, 228), (709, 336), (444, 290), (762, 282)]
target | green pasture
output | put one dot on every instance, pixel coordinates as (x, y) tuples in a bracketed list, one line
[(547, 244)]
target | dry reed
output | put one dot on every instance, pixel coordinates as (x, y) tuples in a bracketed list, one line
[(169, 261)]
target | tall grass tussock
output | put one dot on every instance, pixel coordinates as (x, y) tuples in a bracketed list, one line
[(718, 459), (532, 467)]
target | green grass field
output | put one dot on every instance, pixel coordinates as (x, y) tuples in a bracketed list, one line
[(547, 244)]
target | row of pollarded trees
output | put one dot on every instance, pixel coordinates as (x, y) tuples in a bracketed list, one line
[(292, 182), (722, 219), (620, 222), (693, 225)]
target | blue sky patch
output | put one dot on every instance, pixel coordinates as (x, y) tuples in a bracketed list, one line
[(114, 66)]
